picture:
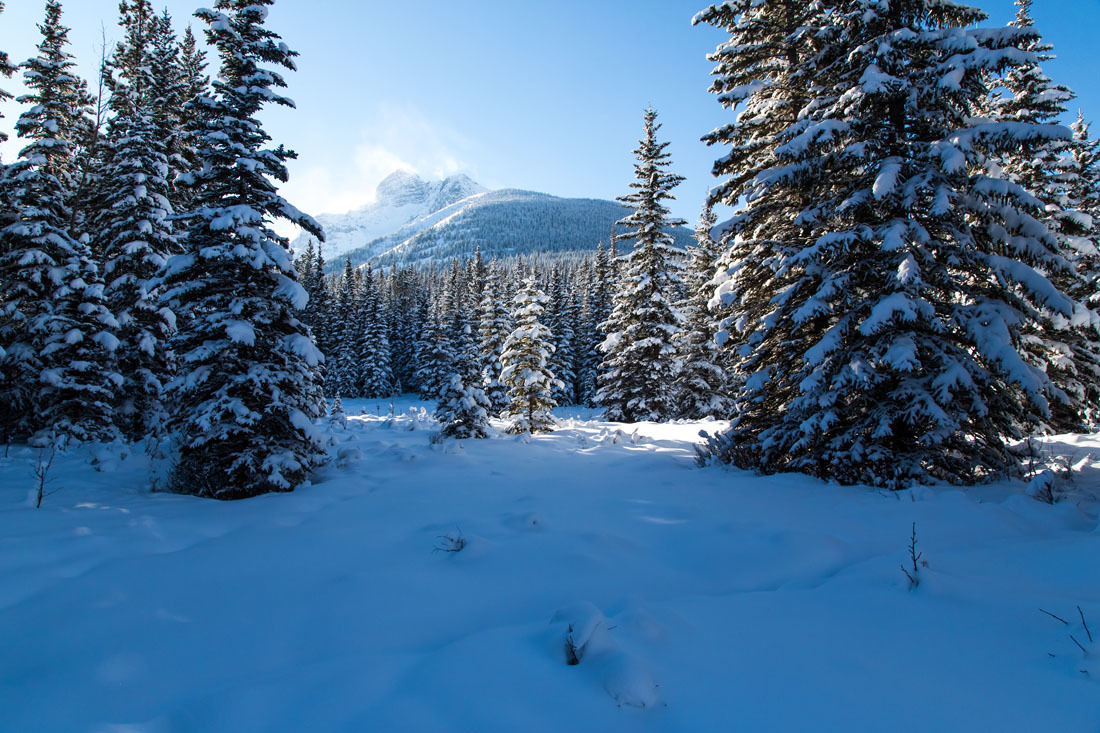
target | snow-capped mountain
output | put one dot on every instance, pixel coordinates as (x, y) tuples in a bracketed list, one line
[(402, 199), (414, 221)]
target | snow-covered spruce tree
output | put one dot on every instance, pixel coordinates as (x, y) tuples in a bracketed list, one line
[(246, 395), (7, 215), (475, 278), (701, 387), (375, 371), (767, 67), (561, 318), (639, 366), (1083, 203), (463, 406), (494, 327), (405, 326), (7, 68), (55, 333), (192, 119), (310, 266), (1086, 188), (463, 409), (462, 343), (347, 328), (132, 228), (166, 92), (526, 361), (597, 309), (1043, 167), (434, 360), (878, 281)]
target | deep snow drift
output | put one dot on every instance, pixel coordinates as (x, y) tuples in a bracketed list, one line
[(692, 599)]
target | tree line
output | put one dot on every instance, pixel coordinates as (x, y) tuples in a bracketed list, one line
[(906, 285)]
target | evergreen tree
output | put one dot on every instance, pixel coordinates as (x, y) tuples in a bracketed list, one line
[(701, 388), (167, 87), (247, 393), (1083, 202), (375, 368), (493, 330), (461, 343), (7, 214), (347, 328), (434, 359), (463, 409), (476, 277), (317, 313), (877, 278), (561, 317), (132, 227), (526, 361), (89, 154), (405, 326), (1056, 345), (192, 120), (6, 71), (55, 333), (1085, 191), (640, 360), (597, 309)]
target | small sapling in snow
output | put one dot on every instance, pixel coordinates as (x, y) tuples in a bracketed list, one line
[(450, 542), (42, 471), (1085, 644), (915, 561)]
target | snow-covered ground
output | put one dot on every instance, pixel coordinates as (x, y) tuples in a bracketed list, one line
[(696, 600)]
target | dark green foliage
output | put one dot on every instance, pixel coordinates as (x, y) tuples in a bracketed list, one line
[(639, 366), (247, 392)]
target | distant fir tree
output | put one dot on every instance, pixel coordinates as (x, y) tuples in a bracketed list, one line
[(526, 362), (639, 366), (55, 333), (561, 319), (318, 311), (405, 326), (476, 277), (461, 342), (247, 394), (702, 389), (597, 309), (347, 328), (494, 327), (375, 370), (434, 359), (877, 279), (132, 229), (463, 406)]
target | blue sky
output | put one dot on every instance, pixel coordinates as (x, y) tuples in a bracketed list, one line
[(543, 96)]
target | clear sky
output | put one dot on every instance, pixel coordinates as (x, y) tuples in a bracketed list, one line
[(546, 96)]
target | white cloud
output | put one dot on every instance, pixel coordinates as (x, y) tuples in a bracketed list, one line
[(345, 174)]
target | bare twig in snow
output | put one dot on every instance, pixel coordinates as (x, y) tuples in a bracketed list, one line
[(1084, 623), (1048, 613)]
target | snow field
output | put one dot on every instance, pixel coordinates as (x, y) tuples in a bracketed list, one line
[(695, 600)]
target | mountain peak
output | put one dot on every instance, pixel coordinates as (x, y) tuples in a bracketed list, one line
[(400, 188)]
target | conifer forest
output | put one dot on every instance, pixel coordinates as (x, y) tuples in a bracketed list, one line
[(657, 483)]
